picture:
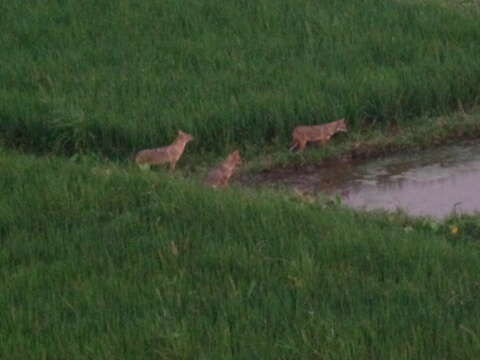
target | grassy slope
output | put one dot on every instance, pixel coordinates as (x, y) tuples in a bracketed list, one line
[(104, 262), (115, 77)]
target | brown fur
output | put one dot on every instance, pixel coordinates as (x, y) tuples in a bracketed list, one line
[(317, 133), (220, 176), (167, 154)]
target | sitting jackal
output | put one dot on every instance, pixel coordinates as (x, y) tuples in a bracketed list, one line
[(220, 176)]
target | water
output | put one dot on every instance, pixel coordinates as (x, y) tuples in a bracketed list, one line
[(432, 183)]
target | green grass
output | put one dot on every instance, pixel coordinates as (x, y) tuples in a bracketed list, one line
[(467, 7), (105, 262), (371, 142), (114, 77)]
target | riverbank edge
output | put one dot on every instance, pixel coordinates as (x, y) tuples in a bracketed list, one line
[(373, 143)]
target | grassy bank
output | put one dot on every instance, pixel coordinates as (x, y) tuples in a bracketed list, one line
[(371, 142), (103, 262), (116, 77), (468, 7)]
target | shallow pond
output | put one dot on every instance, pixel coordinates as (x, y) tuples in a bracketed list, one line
[(432, 183)]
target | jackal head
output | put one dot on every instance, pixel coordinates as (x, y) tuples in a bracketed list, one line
[(234, 158), (341, 125), (184, 136)]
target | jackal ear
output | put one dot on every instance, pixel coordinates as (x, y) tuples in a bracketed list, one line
[(180, 132)]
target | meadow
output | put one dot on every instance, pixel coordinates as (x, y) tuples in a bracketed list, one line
[(106, 262), (116, 77), (100, 260)]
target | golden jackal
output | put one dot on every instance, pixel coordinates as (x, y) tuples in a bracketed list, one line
[(167, 154), (219, 176), (322, 133)]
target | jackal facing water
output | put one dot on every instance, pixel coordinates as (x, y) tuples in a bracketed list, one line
[(321, 133), (220, 176), (167, 154)]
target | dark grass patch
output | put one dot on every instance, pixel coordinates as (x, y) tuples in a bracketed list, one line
[(119, 77)]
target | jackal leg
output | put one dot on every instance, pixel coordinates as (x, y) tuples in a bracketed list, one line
[(321, 143), (301, 145), (295, 144)]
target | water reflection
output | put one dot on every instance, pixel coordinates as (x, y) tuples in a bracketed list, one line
[(429, 183), (435, 197)]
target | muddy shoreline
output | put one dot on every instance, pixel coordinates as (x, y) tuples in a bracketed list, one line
[(436, 181)]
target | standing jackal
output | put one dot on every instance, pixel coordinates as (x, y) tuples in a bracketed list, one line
[(220, 176), (321, 133), (167, 154)]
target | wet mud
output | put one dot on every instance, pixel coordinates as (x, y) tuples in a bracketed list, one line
[(436, 182)]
